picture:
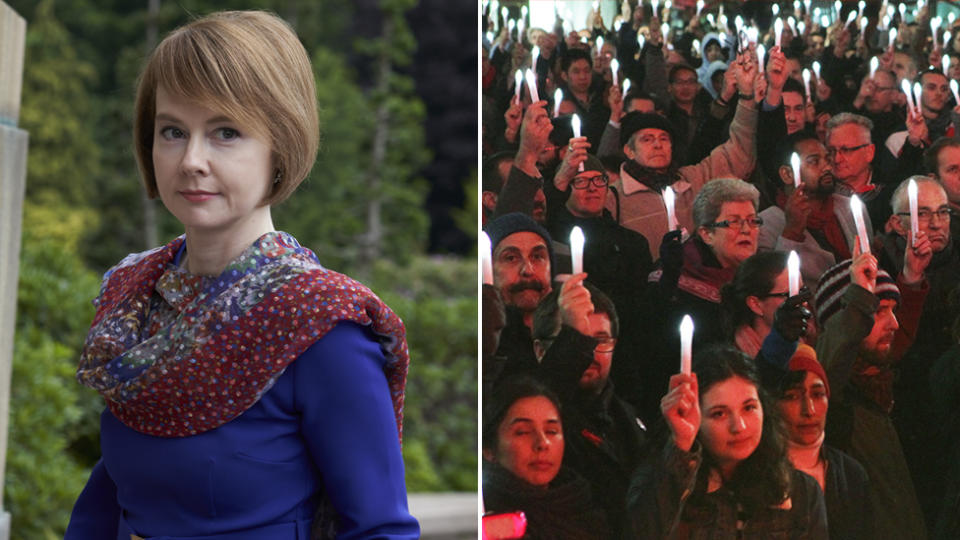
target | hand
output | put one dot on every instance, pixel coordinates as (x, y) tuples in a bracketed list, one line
[(746, 75), (917, 131), (776, 69), (671, 251), (809, 111), (656, 37), (760, 88), (513, 117), (575, 304), (729, 83), (841, 43), (535, 129), (792, 316), (681, 409), (868, 87), (615, 102), (886, 60), (916, 258), (569, 167), (863, 269), (796, 211)]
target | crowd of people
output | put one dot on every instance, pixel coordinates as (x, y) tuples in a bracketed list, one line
[(695, 145)]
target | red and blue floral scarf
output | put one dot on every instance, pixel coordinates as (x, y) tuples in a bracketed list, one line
[(176, 355)]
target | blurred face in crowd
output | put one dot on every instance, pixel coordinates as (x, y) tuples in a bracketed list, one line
[(521, 270), (578, 76), (713, 53), (934, 93), (793, 111), (732, 422), (766, 306), (804, 409), (948, 171), (546, 42), (586, 196), (816, 172), (886, 90), (904, 66), (733, 244), (931, 203), (530, 441), (601, 62), (877, 345), (683, 88), (650, 147), (851, 149), (794, 71), (639, 104), (815, 48), (594, 378)]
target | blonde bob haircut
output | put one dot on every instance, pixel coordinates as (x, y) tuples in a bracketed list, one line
[(250, 66)]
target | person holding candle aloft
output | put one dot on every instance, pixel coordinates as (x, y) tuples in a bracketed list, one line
[(523, 189), (867, 320), (937, 117), (584, 92), (251, 392), (723, 472), (576, 331)]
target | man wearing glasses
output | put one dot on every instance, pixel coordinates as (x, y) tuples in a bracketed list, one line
[(876, 100), (913, 415)]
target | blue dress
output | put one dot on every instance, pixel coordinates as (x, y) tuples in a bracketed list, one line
[(326, 427)]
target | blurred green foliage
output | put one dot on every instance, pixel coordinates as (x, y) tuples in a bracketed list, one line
[(84, 212)]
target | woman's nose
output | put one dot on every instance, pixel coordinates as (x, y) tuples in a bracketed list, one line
[(194, 161)]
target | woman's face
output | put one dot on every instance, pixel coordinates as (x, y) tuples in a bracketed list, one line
[(531, 440), (804, 409), (732, 421), (212, 173), (732, 245), (766, 306)]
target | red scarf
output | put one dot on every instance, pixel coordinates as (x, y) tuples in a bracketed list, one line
[(826, 222)]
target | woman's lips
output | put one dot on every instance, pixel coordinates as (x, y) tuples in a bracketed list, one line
[(197, 196), (541, 465)]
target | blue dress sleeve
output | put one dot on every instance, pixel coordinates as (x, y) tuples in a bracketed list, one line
[(96, 512), (349, 427)]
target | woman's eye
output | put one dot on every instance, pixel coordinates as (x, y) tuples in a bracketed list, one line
[(227, 134), (171, 132), (716, 414)]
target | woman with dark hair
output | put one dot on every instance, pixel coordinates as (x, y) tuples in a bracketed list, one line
[(750, 301), (522, 456), (725, 474)]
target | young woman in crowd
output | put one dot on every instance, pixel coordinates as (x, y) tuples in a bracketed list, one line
[(522, 466), (724, 471)]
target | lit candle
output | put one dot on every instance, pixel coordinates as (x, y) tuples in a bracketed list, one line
[(518, 83), (738, 23), (950, 18), (523, 11), (903, 12), (711, 20), (575, 125), (557, 100), (802, 27), (614, 68), (945, 63), (535, 55), (775, 8), (892, 38), (504, 12), (860, 5), (824, 21), (686, 344), (953, 88), (917, 89), (912, 194), (511, 24), (793, 273), (837, 6), (816, 69), (863, 27), (777, 31), (656, 7), (665, 31), (796, 7), (486, 258), (532, 86), (752, 34), (874, 64), (626, 87), (806, 82), (905, 86), (795, 165), (617, 24), (850, 18), (520, 26), (792, 23), (576, 249), (669, 199), (699, 7), (640, 40), (599, 45), (696, 48), (856, 208), (885, 22), (935, 29), (806, 7), (761, 52)]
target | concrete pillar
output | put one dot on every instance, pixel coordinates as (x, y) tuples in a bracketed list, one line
[(13, 177)]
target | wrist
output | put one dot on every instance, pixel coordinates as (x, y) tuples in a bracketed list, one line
[(746, 96)]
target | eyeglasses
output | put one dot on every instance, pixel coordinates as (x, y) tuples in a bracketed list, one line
[(737, 223), (581, 182), (924, 216), (845, 151), (783, 295), (605, 345)]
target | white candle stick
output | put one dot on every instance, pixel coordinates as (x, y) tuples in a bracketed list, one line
[(850, 18), (626, 87), (641, 40), (885, 22), (793, 273), (917, 98), (686, 345), (777, 31), (907, 91), (511, 24), (535, 54), (669, 200), (504, 12), (837, 6), (576, 250), (914, 222), (892, 38), (656, 7), (557, 100), (802, 27), (700, 5), (816, 69), (614, 68), (824, 21), (874, 64), (711, 20), (520, 28), (761, 52), (903, 12), (945, 63), (792, 23), (795, 165), (935, 29), (860, 5), (532, 86), (518, 83), (953, 88), (856, 208), (806, 82), (775, 8), (738, 23), (665, 31), (863, 27), (575, 125), (599, 45), (486, 258), (806, 7)]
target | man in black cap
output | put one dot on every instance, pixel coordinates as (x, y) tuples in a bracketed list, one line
[(637, 203)]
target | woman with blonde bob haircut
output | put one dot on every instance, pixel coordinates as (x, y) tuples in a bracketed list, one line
[(251, 393)]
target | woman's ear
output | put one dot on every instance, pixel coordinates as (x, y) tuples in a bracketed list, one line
[(754, 304), (705, 234)]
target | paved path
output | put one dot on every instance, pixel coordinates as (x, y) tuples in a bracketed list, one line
[(445, 516)]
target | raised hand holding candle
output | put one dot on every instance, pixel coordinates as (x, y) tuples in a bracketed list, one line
[(777, 31), (575, 125), (686, 345), (793, 273), (953, 88), (532, 86), (518, 83), (669, 199), (874, 64), (576, 250), (557, 100), (856, 208), (912, 194), (795, 165), (614, 68), (486, 258), (796, 7)]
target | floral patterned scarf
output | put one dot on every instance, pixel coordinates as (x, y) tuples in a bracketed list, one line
[(176, 355)]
